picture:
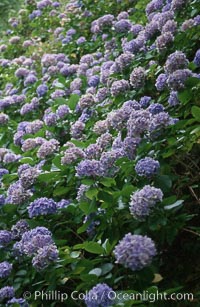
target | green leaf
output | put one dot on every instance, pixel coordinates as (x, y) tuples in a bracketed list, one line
[(176, 204), (108, 182), (8, 178), (164, 182), (21, 273), (75, 254), (89, 207), (196, 113), (87, 181), (195, 131), (27, 160), (192, 81), (60, 101), (10, 208), (72, 102), (92, 192), (61, 191), (107, 197), (83, 228), (106, 268), (47, 177), (93, 247), (96, 272), (184, 96)]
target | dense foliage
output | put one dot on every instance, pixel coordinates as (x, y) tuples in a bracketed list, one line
[(99, 151), (8, 8)]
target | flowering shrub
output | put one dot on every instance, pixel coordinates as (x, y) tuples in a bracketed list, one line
[(99, 150)]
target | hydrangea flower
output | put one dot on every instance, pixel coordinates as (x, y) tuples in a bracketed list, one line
[(20, 301), (176, 60), (119, 87), (164, 40), (99, 296), (3, 171), (5, 237), (32, 240), (122, 26), (5, 269), (144, 101), (93, 81), (197, 58), (137, 77), (42, 90), (63, 203), (173, 99), (155, 108), (42, 206), (89, 168), (17, 194), (62, 111), (177, 79), (144, 200), (147, 167), (6, 292), (44, 257), (135, 251), (19, 229)]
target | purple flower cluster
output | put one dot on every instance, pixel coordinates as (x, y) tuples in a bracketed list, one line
[(4, 119), (20, 301), (99, 296), (119, 87), (89, 168), (86, 101), (42, 90), (164, 40), (6, 292), (19, 229), (175, 61), (107, 162), (177, 79), (197, 58), (63, 203), (62, 111), (39, 244), (81, 192), (5, 269), (76, 111), (155, 108), (3, 171), (144, 200), (17, 194), (147, 167), (124, 60), (42, 206), (135, 251), (72, 154), (77, 129), (45, 256), (137, 77), (138, 123), (122, 26), (173, 99)]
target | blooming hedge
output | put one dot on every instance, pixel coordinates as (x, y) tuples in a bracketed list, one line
[(99, 150)]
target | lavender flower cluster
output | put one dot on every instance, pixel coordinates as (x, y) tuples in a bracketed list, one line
[(99, 296), (69, 113), (135, 251), (42, 206), (37, 243), (147, 167), (144, 200)]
